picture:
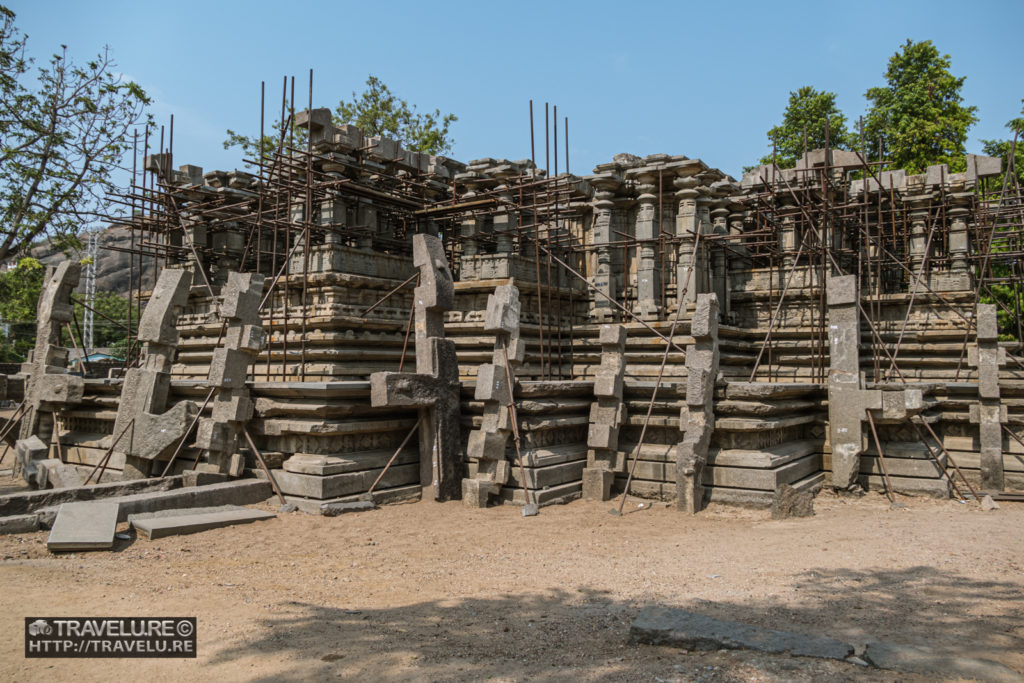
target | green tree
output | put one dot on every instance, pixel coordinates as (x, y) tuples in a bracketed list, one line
[(918, 116), (63, 135), (1002, 149), (19, 295), (376, 111), (111, 319), (806, 118)]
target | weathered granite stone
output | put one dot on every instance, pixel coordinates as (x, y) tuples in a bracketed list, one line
[(83, 526), (607, 415), (679, 628), (434, 387), (697, 419), (487, 445), (989, 413), (789, 502)]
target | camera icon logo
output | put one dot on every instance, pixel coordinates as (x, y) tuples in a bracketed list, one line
[(40, 627)]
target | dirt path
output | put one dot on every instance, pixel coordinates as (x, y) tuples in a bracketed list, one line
[(425, 591)]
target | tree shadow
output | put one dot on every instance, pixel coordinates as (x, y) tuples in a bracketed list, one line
[(584, 634)]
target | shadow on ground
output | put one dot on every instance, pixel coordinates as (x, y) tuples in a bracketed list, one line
[(584, 633)]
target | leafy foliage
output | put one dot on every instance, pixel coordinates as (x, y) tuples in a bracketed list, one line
[(62, 138), (1002, 148), (809, 112), (19, 295), (376, 111), (918, 115)]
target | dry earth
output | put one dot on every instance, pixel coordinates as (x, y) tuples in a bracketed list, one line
[(425, 591)]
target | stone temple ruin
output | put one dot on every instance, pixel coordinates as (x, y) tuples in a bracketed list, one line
[(354, 317)]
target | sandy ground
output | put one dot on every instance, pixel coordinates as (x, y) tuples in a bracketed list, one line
[(440, 592)]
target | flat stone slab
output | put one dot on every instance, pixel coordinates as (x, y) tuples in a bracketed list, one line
[(930, 663), (29, 501), (190, 521), (679, 628), (335, 509), (239, 492), (83, 526)]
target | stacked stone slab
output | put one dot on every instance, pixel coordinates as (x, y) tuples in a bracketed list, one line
[(697, 417), (48, 387), (487, 445), (989, 413), (607, 414), (153, 430), (434, 387), (244, 337)]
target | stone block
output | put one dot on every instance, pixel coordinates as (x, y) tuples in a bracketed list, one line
[(436, 290), (602, 436), (84, 526), (608, 384), (597, 483), (27, 455), (486, 445), (59, 390), (229, 369), (234, 406), (242, 295), (612, 335), (988, 323), (842, 291), (215, 436), (503, 310), (492, 385), (248, 338), (155, 437), (936, 175), (979, 166), (705, 316), (157, 324), (477, 492)]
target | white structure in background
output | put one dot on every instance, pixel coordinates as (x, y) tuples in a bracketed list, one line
[(90, 288)]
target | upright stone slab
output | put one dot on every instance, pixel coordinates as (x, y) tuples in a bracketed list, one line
[(48, 387), (434, 387), (697, 418), (244, 338), (989, 413), (154, 430), (846, 402), (487, 445), (607, 414)]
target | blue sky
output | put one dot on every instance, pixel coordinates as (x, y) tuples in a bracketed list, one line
[(702, 79)]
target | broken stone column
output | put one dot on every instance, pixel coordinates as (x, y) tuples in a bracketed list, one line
[(244, 338), (48, 387), (153, 430), (697, 418), (847, 403), (989, 413), (487, 444), (607, 414), (434, 387)]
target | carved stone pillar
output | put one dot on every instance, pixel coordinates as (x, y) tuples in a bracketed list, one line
[(918, 233), (646, 234), (687, 228), (602, 309), (719, 276)]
